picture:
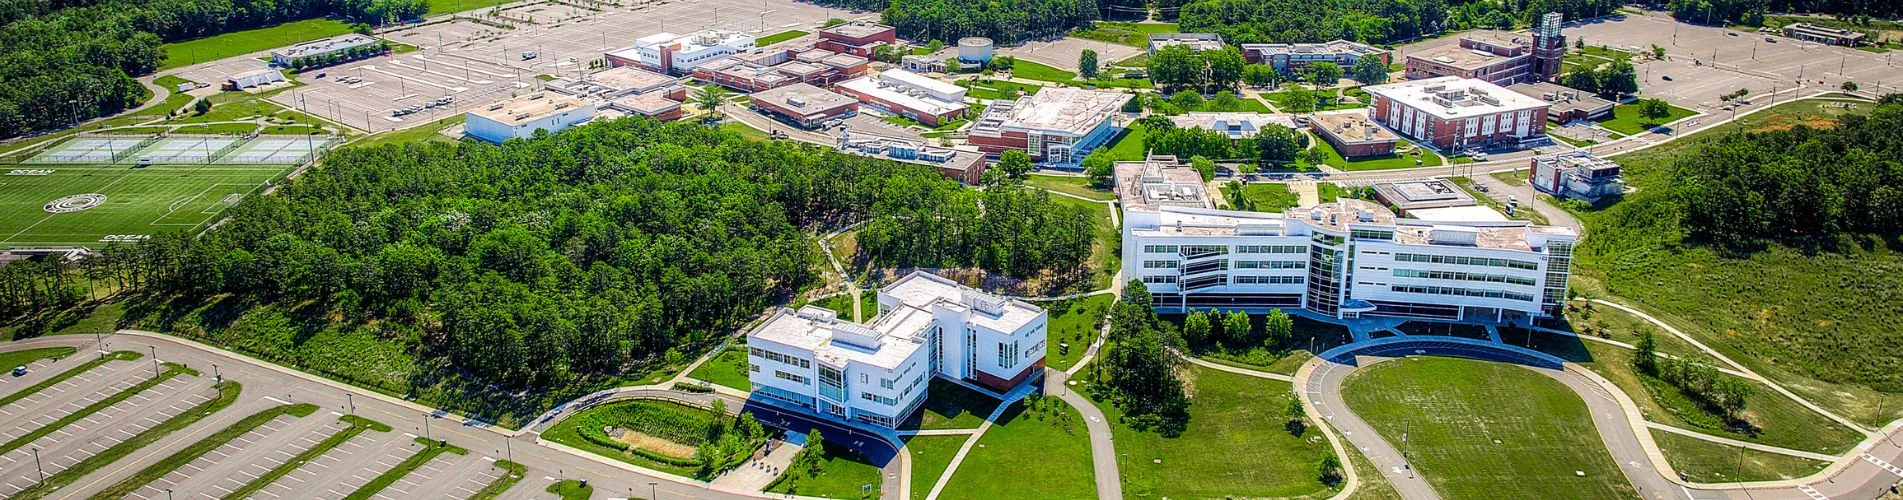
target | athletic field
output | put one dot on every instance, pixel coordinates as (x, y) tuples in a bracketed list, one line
[(139, 202)]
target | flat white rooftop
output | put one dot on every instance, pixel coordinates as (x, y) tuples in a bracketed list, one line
[(528, 108), (873, 86), (1451, 97), (922, 290), (1064, 110), (837, 342)]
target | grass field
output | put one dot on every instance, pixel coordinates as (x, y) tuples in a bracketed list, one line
[(217, 47), (1128, 144), (1132, 34), (1626, 120), (1073, 322), (1707, 462), (779, 37), (663, 420), (10, 359), (139, 201), (1333, 157), (1236, 445), (1040, 446), (1037, 71), (572, 489), (996, 89), (951, 406), (429, 132), (1071, 185), (1820, 323), (842, 474), (729, 368), (1268, 197), (1333, 102), (1487, 430), (930, 456)]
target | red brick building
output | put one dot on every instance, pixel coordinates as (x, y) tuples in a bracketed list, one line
[(1451, 113), (856, 38), (1353, 134)]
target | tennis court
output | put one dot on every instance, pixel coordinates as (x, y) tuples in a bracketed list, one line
[(276, 150), (91, 150), (186, 149)]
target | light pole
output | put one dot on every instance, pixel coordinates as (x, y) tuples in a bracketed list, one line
[(36, 466), (352, 401), (426, 426), (99, 344), (155, 360), (653, 490)]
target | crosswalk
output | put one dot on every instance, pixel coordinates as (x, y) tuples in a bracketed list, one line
[(1812, 492), (1885, 465)]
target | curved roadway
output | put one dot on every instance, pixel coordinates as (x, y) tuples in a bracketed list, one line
[(1620, 427)]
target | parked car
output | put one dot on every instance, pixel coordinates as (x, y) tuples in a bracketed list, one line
[(529, 55), (1770, 40), (19, 371), (320, 74)]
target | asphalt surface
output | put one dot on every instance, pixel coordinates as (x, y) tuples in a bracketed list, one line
[(1103, 452), (369, 454)]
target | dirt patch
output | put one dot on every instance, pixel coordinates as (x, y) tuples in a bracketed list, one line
[(1816, 123), (654, 444)]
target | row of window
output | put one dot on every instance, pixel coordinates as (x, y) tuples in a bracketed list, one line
[(1463, 276), (1465, 261), (1464, 292), (1159, 264), (1267, 280), (1202, 249), (1159, 248), (1271, 264), (1008, 354), (1159, 279), (1370, 234), (782, 358), (1271, 249), (795, 378), (878, 399)]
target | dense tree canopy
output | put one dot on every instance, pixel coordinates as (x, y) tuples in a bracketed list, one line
[(1372, 21), (1004, 21), (1802, 185), (540, 261)]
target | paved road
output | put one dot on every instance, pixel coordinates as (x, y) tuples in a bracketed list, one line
[(545, 463)]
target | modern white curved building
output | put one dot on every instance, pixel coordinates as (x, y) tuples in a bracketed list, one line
[(1343, 259), (878, 372)]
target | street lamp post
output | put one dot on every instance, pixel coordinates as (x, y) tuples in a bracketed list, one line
[(36, 466), (653, 489), (155, 360), (351, 400)]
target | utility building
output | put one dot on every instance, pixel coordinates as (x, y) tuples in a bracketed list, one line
[(520, 117)]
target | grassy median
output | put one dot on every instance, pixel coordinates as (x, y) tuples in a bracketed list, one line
[(357, 426), (431, 448), (10, 359), (171, 370), (171, 463), (511, 473), (120, 355), (227, 394)]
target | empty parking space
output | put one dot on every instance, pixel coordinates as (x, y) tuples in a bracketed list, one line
[(42, 369), (1063, 52), (95, 433), (1707, 62), (62, 399), (345, 468), (231, 466), (446, 476)]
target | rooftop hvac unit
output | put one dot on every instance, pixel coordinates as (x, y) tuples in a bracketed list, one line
[(561, 105), (496, 106), (534, 96)]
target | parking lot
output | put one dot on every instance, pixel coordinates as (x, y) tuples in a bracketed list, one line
[(242, 460), (1707, 62), (81, 439)]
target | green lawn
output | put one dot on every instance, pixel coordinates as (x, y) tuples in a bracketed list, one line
[(1268, 197), (141, 201), (951, 406), (428, 132), (779, 37), (1123, 33), (1237, 445), (217, 47), (842, 473), (1073, 322), (684, 425), (1281, 99), (1333, 158), (1626, 120), (996, 89), (1071, 185), (1822, 324), (1128, 144), (22, 357), (1480, 429), (1514, 178), (572, 489), (930, 456), (1041, 447), (1037, 71), (1707, 462), (729, 368), (450, 6)]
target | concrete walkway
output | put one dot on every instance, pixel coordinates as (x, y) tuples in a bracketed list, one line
[(1016, 394), (1233, 369), (1103, 450), (756, 474)]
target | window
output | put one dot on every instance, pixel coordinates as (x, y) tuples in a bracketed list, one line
[(788, 376), (1159, 279), (1159, 264), (1466, 261), (781, 358), (1462, 292), (1204, 249), (1464, 276), (1159, 248), (1370, 234)]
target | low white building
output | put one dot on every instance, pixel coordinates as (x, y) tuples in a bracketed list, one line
[(878, 373), (333, 46), (253, 78), (908, 94), (1237, 125), (1343, 259), (521, 116), (672, 54)]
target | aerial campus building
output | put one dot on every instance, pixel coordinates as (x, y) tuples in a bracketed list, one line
[(911, 95), (671, 54), (1293, 57), (1057, 125), (1343, 259), (877, 372), (1452, 113), (521, 116), (1496, 57), (1576, 175)]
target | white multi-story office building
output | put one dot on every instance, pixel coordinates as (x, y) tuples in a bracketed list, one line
[(669, 54), (878, 372), (1342, 259)]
